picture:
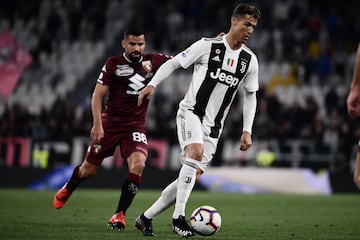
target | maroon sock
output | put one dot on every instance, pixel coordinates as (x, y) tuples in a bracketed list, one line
[(128, 191), (75, 180)]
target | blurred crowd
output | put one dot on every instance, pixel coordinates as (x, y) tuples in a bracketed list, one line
[(306, 53)]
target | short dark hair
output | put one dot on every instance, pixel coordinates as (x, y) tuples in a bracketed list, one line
[(133, 30), (245, 8)]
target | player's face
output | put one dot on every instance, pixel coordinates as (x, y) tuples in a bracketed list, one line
[(134, 47), (243, 27)]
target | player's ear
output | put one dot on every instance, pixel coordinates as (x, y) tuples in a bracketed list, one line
[(234, 20), (123, 43)]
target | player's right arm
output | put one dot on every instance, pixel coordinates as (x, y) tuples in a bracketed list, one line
[(97, 130), (103, 82), (183, 59), (163, 72), (353, 99)]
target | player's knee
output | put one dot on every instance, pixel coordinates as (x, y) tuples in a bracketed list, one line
[(196, 154), (139, 165), (87, 170), (195, 151), (136, 163)]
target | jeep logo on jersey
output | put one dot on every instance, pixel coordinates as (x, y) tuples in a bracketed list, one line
[(123, 70), (136, 83), (223, 77)]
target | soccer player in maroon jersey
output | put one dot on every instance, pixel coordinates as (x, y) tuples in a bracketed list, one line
[(353, 106), (122, 122)]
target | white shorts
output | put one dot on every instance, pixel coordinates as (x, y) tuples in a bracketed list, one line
[(190, 130)]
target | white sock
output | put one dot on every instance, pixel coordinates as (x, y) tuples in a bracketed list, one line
[(186, 182), (166, 199)]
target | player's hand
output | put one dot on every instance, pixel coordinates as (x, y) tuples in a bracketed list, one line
[(96, 134), (245, 141), (147, 92), (353, 102)]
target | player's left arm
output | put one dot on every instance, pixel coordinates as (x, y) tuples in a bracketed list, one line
[(249, 109), (251, 85)]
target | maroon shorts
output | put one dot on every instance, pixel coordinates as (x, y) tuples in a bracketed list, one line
[(130, 140)]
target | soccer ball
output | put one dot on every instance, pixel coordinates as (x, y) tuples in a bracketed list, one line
[(205, 220)]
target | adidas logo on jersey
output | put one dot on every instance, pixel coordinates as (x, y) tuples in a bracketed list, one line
[(223, 77), (216, 59)]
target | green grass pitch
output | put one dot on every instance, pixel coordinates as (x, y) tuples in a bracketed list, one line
[(28, 214)]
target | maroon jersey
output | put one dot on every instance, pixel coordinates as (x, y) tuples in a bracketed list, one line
[(125, 80)]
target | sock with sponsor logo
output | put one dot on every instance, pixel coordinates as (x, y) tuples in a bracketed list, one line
[(186, 182), (129, 189)]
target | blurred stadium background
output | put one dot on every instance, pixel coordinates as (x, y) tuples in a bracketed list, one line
[(51, 53)]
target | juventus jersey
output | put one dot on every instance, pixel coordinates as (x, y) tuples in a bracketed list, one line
[(218, 72)]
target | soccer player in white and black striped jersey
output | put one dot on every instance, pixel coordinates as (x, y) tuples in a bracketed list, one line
[(221, 66)]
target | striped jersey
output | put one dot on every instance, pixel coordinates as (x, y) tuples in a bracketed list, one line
[(218, 71)]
